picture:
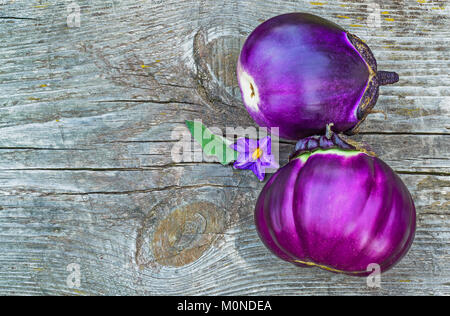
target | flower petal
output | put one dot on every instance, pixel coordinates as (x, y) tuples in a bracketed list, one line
[(262, 142), (244, 161), (244, 145), (258, 171), (243, 165), (246, 148), (268, 161)]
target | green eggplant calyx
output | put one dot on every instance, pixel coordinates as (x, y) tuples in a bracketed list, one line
[(328, 141)]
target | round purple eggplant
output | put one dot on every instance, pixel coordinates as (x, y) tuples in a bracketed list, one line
[(336, 207), (299, 72)]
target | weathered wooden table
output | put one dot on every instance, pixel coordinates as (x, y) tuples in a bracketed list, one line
[(91, 201)]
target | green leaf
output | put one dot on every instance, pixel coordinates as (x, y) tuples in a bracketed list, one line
[(212, 145)]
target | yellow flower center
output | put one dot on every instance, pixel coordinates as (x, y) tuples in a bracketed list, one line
[(257, 153)]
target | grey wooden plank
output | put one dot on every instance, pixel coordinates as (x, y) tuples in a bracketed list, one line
[(404, 153), (86, 122), (98, 236)]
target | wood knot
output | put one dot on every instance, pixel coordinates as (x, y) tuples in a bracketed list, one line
[(185, 234), (215, 63)]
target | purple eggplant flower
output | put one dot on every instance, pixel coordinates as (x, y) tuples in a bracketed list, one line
[(255, 155)]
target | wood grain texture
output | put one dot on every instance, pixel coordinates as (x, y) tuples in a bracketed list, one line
[(87, 120)]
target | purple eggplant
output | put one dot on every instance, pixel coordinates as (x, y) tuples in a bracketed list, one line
[(299, 72), (336, 207)]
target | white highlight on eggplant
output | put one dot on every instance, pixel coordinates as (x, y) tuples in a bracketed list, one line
[(249, 90)]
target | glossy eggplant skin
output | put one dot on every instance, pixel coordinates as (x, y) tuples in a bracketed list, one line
[(299, 72), (340, 210)]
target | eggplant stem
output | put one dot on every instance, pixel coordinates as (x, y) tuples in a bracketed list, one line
[(387, 77), (329, 132), (379, 111)]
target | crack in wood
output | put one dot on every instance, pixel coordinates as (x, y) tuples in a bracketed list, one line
[(151, 101), (17, 18), (424, 173), (160, 189), (141, 168), (381, 133), (43, 148)]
